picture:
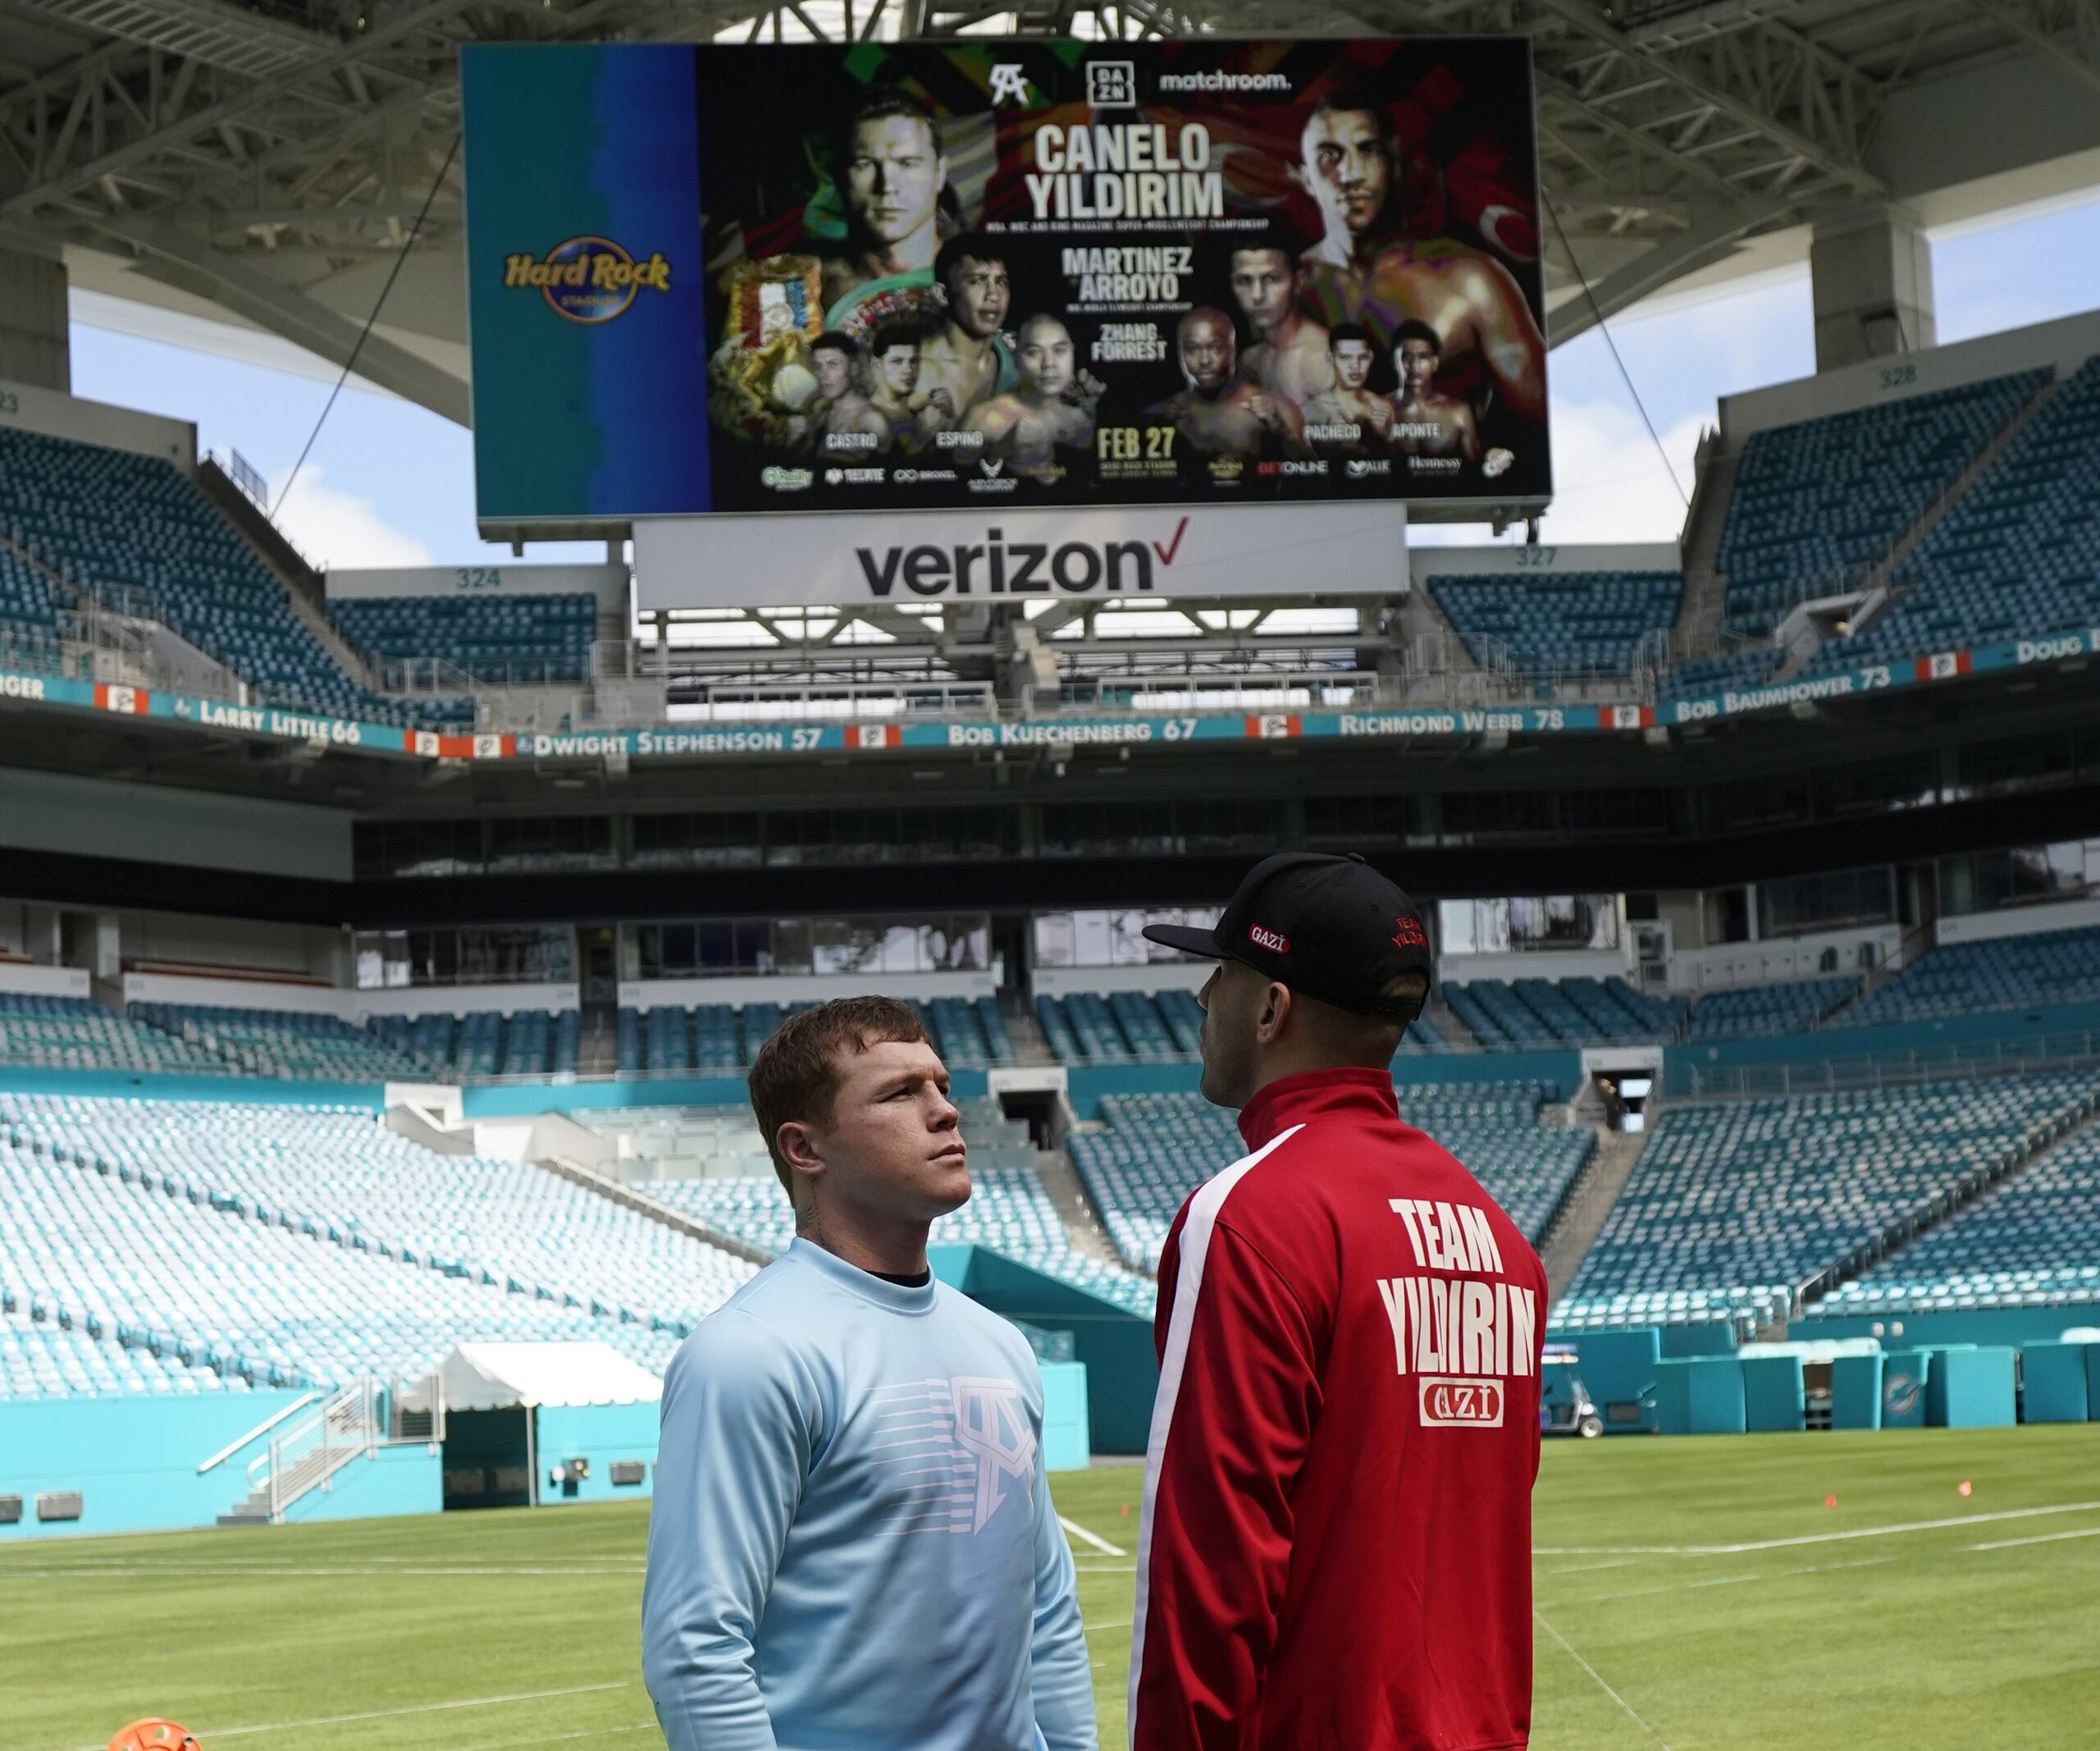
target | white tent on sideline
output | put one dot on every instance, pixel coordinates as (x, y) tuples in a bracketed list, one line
[(502, 1377), (507, 1376)]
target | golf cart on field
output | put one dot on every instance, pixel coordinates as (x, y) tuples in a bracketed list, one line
[(1565, 1407)]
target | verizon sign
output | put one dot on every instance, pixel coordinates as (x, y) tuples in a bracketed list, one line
[(999, 553)]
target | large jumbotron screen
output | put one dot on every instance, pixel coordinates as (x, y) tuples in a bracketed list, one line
[(916, 276)]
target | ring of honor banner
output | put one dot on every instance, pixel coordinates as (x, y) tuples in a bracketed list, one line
[(1035, 273)]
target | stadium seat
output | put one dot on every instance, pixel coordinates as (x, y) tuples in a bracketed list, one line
[(107, 519), (1817, 502), (286, 1042), (71, 1032), (2008, 972), (1794, 1006), (1734, 1204), (1008, 1212), (1568, 1012), (317, 1244), (1584, 622), (1153, 1150), (2032, 1241), (2018, 556), (504, 641)]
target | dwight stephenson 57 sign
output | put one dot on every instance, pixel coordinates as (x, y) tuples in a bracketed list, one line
[(973, 275)]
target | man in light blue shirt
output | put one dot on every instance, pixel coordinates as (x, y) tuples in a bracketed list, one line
[(852, 1543)]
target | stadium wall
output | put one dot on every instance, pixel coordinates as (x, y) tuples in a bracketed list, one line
[(1426, 564), (799, 987), (2017, 1326), (147, 1084), (1957, 1038), (105, 818), (21, 980), (1726, 966), (457, 999), (134, 1461), (1561, 1071), (2064, 344), (2025, 921), (1153, 976), (1537, 963), (599, 1434), (1113, 1348), (52, 412)]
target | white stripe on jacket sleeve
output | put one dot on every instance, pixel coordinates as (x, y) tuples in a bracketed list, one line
[(1209, 1199)]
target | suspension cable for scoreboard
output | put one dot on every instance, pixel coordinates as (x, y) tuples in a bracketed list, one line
[(400, 256), (1604, 328)]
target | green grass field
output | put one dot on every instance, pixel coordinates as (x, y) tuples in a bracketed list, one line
[(1693, 1593)]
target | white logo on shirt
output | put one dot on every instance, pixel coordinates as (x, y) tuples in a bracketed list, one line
[(949, 1445), (991, 1425)]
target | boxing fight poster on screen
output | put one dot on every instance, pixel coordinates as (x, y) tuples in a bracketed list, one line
[(981, 274)]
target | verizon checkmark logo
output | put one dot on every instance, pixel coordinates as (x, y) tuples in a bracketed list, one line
[(997, 566)]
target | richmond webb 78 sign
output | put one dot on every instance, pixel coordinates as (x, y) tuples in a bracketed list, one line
[(979, 274)]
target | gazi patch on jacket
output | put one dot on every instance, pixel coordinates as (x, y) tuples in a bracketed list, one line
[(1460, 1334)]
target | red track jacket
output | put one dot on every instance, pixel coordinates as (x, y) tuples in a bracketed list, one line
[(1335, 1549)]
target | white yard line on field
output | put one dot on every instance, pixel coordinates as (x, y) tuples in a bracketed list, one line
[(2046, 1538), (1101, 1544), (1598, 1679), (556, 1739), (211, 1735), (1728, 1580), (133, 1572), (1810, 1537)]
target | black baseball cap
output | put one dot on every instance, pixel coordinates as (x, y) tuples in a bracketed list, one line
[(1331, 927)]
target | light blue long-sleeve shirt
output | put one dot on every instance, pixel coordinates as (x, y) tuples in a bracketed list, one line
[(851, 1543)]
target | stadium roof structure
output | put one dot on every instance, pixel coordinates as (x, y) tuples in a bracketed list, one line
[(263, 163)]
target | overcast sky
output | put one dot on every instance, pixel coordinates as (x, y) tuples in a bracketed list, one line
[(389, 484)]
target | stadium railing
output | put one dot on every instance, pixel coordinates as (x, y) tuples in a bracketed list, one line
[(2032, 1054)]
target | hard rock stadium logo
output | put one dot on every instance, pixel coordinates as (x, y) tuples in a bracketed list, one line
[(586, 279)]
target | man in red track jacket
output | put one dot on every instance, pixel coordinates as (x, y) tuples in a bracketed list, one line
[(1335, 1548)]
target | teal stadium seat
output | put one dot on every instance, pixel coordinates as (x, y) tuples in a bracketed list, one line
[(1816, 502), (1529, 1012), (1586, 622), (1734, 1204), (317, 1247), (1155, 1149), (1008, 1212), (1792, 1008), (2017, 557), (107, 519), (2007, 972), (2033, 1241), (504, 641)]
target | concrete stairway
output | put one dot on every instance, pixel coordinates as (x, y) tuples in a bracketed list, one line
[(1884, 590), (315, 1469), (1581, 1217), (1423, 623), (1067, 1192), (1444, 1019), (1906, 543), (1025, 1031), (1705, 602)]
